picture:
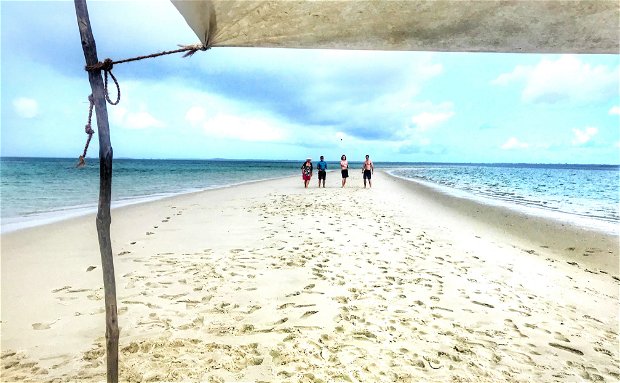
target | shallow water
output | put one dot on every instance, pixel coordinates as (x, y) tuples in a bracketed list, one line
[(582, 191), (39, 190)]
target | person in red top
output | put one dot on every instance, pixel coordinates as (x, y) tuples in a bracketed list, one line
[(306, 171), (368, 169)]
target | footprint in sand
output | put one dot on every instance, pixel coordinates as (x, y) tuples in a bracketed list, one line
[(309, 313), (44, 326), (61, 289), (281, 321), (603, 351), (561, 337), (252, 309), (566, 348), (483, 304)]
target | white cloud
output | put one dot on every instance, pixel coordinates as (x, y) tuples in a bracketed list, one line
[(142, 120), (26, 107), (565, 79), (584, 136), (614, 110), (243, 128), (377, 91), (426, 120), (519, 73), (425, 68), (433, 116), (195, 115), (514, 143), (134, 120), (234, 125)]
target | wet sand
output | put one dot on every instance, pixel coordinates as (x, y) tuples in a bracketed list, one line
[(273, 282)]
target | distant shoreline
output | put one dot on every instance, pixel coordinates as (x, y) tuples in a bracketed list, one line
[(10, 224)]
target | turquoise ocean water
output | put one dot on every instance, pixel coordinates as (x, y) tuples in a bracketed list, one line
[(585, 195), (41, 190)]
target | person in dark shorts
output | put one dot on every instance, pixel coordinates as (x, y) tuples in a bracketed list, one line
[(322, 168), (344, 169), (368, 169)]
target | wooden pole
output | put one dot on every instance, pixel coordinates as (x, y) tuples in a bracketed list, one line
[(105, 190)]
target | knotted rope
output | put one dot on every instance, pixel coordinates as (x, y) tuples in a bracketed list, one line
[(89, 131), (107, 66)]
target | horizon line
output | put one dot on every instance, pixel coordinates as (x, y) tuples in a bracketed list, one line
[(297, 160)]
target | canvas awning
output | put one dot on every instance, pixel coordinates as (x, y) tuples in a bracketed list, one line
[(549, 26)]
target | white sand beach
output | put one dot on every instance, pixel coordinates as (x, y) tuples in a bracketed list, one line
[(271, 282)]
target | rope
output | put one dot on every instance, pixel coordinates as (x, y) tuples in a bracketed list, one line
[(89, 131), (190, 49), (107, 66)]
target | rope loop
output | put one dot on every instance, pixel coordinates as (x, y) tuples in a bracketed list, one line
[(106, 66), (105, 87)]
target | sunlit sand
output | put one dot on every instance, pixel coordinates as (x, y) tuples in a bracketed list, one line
[(273, 282)]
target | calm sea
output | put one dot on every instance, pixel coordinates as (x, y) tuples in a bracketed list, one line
[(41, 190), (586, 195)]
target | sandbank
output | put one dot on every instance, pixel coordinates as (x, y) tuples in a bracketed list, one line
[(269, 281)]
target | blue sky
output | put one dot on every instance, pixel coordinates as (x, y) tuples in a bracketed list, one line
[(288, 104)]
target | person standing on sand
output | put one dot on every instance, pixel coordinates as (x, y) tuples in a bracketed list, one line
[(344, 169), (367, 170), (306, 171), (322, 167)]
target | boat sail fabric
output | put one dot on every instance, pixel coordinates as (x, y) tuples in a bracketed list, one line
[(553, 26)]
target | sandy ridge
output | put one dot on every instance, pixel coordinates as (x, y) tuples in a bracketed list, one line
[(273, 282)]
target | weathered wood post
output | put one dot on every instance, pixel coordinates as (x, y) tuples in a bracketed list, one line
[(105, 190)]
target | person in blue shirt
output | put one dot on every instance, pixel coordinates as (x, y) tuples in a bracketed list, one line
[(322, 167)]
